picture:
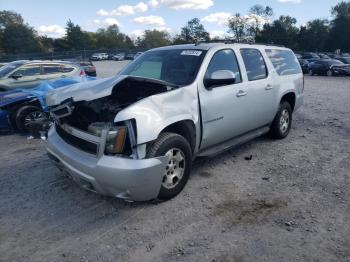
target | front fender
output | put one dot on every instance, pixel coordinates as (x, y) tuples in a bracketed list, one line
[(155, 113)]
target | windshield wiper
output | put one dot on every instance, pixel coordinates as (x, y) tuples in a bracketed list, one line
[(170, 86)]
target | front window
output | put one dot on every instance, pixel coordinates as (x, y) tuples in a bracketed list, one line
[(8, 68), (176, 66), (225, 60), (29, 70)]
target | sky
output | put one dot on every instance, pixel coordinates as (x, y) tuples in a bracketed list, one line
[(133, 17)]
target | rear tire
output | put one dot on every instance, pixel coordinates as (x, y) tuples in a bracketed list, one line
[(24, 114), (282, 123), (179, 164)]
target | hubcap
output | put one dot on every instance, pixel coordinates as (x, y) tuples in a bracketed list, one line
[(175, 168), (284, 121), (32, 117)]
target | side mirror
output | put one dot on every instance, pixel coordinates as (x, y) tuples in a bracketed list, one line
[(16, 76), (219, 78)]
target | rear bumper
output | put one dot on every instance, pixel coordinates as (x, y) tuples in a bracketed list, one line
[(125, 178)]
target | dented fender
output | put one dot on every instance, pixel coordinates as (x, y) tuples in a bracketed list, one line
[(155, 113)]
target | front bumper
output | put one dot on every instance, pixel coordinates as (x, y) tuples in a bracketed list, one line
[(129, 179)]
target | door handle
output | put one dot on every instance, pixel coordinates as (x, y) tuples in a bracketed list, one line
[(268, 87), (241, 93)]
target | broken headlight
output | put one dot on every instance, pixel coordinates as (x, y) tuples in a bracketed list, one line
[(115, 140)]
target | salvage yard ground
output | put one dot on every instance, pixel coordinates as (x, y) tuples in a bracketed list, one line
[(290, 202)]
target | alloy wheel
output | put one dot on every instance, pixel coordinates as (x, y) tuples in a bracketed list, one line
[(175, 168), (284, 121)]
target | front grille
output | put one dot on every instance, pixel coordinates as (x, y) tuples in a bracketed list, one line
[(82, 144)]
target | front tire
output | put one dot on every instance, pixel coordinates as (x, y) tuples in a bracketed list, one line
[(25, 115), (282, 123), (178, 168)]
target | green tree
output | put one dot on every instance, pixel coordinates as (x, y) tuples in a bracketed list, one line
[(239, 26), (281, 31), (339, 35), (16, 36), (153, 38), (315, 29), (75, 36), (192, 32), (258, 16)]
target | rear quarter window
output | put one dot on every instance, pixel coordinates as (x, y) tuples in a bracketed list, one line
[(284, 61)]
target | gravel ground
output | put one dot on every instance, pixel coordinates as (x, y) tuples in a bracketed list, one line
[(290, 202)]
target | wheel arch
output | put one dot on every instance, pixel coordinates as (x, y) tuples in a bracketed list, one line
[(185, 128), (289, 97)]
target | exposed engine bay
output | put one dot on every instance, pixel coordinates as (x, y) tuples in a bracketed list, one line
[(104, 110)]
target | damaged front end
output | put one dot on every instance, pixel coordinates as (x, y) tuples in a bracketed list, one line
[(94, 119), (103, 155)]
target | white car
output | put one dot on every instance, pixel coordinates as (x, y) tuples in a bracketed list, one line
[(134, 136), (99, 56)]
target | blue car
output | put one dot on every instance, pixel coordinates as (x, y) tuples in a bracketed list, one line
[(19, 108)]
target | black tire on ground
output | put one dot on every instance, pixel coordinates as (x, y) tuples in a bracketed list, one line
[(282, 122), (163, 145), (22, 113)]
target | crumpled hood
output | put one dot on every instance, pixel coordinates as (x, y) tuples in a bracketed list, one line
[(85, 91)]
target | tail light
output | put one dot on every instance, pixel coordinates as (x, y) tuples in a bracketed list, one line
[(82, 72)]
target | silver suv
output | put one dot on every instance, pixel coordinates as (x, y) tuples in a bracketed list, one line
[(28, 74), (134, 136)]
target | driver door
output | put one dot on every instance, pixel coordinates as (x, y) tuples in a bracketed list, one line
[(30, 76), (224, 109)]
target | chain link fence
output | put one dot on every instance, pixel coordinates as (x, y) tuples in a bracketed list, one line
[(66, 55)]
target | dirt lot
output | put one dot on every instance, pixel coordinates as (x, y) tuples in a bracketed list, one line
[(290, 202)]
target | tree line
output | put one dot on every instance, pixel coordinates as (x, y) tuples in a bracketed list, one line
[(18, 37)]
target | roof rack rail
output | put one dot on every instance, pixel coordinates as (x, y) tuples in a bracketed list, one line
[(233, 41)]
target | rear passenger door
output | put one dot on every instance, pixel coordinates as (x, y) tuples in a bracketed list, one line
[(261, 88)]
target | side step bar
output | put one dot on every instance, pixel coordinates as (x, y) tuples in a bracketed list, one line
[(214, 150)]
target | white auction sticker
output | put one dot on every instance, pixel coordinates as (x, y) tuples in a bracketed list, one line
[(191, 52)]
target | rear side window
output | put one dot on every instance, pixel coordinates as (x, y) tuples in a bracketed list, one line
[(225, 60), (254, 64), (67, 69), (284, 61), (52, 69)]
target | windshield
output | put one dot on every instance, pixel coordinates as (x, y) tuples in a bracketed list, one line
[(8, 68), (176, 66)]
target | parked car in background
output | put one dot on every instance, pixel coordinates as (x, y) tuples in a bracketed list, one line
[(345, 59), (304, 65), (2, 64), (22, 108), (138, 54), (28, 74), (310, 55), (329, 67), (99, 56), (134, 136), (88, 67), (119, 57), (323, 56), (130, 56)]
